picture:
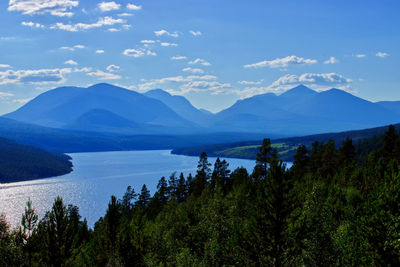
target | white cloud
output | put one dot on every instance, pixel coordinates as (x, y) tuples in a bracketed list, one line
[(195, 33), (22, 100), (178, 57), (108, 6), (155, 82), (133, 7), (212, 86), (83, 69), (175, 79), (32, 24), (129, 87), (7, 38), (99, 51), (39, 76), (200, 62), (250, 82), (5, 95), (126, 26), (250, 91), (105, 21), (104, 75), (323, 79), (203, 77), (138, 52), (72, 48), (318, 81), (151, 53), (70, 62), (113, 68), (6, 66), (134, 52), (33, 7), (125, 15), (331, 60), (359, 55), (164, 32), (113, 30), (282, 62), (168, 44), (382, 54), (193, 70), (147, 41)]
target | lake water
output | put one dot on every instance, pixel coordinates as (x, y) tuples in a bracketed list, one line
[(95, 178)]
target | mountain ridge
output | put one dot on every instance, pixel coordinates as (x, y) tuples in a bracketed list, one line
[(72, 102), (298, 111)]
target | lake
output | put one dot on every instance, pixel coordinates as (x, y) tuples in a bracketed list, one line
[(96, 177)]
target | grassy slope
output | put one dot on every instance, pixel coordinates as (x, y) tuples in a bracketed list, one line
[(285, 146)]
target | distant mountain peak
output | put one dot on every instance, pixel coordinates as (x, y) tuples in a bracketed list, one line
[(157, 91), (338, 92), (299, 90), (101, 85)]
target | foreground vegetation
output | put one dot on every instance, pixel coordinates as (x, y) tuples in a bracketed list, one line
[(333, 207), (20, 162)]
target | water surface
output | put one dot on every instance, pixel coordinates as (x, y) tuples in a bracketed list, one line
[(95, 178)]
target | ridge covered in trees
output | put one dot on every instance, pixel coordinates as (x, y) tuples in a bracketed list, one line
[(20, 162), (332, 207), (287, 146)]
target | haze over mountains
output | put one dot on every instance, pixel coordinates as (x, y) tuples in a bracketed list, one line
[(302, 111), (104, 108)]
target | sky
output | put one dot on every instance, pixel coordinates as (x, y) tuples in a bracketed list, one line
[(212, 52)]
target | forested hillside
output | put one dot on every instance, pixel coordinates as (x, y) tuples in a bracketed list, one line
[(332, 208), (22, 162), (65, 141), (364, 140)]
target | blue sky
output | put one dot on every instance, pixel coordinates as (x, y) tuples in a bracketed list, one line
[(212, 52)]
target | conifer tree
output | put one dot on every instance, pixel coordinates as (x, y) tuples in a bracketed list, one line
[(181, 189), (329, 160), (112, 219), (29, 221), (277, 200), (389, 142), (144, 197), (220, 174), (172, 185), (346, 152), (57, 238), (300, 162), (262, 160), (202, 176), (127, 199), (189, 184), (162, 190)]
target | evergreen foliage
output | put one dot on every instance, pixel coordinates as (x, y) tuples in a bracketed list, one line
[(334, 207), (22, 162)]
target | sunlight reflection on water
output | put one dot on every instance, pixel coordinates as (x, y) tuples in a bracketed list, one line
[(95, 178)]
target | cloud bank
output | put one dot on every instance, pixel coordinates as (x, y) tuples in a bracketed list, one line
[(282, 62)]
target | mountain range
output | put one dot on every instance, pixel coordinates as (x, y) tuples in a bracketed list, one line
[(104, 108), (301, 111)]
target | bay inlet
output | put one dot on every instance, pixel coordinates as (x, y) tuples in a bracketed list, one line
[(97, 176)]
